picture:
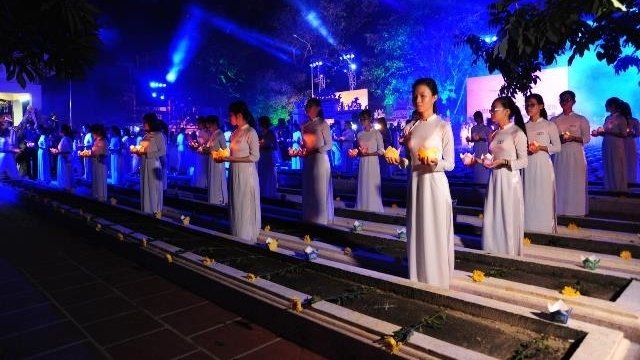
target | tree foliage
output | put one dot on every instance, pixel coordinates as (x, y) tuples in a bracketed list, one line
[(42, 38), (532, 35)]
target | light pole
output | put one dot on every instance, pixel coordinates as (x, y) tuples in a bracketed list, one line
[(320, 80)]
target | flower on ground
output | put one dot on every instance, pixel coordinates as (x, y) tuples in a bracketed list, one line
[(120, 237), (251, 277), (144, 242), (391, 344), (207, 261), (394, 206), (572, 226), (526, 241), (307, 239), (296, 304), (569, 291), (481, 216), (477, 276), (98, 227), (185, 220), (267, 228), (158, 214), (169, 258), (113, 201), (625, 254), (347, 251)]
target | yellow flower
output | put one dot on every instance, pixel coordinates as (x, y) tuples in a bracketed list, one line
[(272, 244), (267, 228), (392, 153), (207, 261), (625, 254), (481, 216), (568, 291), (307, 239), (98, 227), (477, 276), (251, 277), (572, 226), (296, 304), (120, 237), (347, 251), (526, 241), (391, 344), (158, 214), (169, 258)]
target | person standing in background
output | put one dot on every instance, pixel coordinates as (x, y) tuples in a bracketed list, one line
[(266, 164), (479, 137), (538, 178), (370, 147), (317, 185), (570, 164), (44, 155), (99, 162), (218, 192), (630, 150)]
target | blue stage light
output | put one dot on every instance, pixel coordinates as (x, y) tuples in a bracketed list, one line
[(312, 18), (353, 66), (154, 94)]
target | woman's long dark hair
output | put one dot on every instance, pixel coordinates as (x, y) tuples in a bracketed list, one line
[(152, 120), (431, 84), (315, 102), (540, 101), (514, 110), (240, 107), (65, 129)]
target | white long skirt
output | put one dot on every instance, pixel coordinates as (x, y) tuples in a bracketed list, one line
[(539, 194), (99, 177), (570, 166), (151, 185), (44, 165), (200, 171), (614, 163), (317, 189), (267, 174), (369, 185), (244, 202), (430, 249), (503, 224), (217, 183)]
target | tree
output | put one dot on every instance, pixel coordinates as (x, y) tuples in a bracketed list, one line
[(533, 35), (42, 38)]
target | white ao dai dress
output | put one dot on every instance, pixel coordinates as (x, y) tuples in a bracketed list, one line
[(570, 166), (538, 178), (152, 173), (630, 149), (317, 186), (200, 171), (244, 187), (65, 165), (430, 249), (217, 173), (99, 169), (369, 180), (267, 165), (613, 155), (503, 223), (44, 158)]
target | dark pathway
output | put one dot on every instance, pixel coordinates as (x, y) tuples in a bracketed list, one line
[(64, 298)]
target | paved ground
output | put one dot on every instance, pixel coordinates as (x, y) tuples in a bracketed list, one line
[(63, 298)]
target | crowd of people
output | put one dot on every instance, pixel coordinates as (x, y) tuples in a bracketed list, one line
[(534, 170)]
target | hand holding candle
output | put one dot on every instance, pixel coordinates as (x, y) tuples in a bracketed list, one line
[(392, 155), (467, 159), (428, 156)]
